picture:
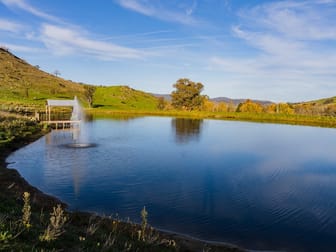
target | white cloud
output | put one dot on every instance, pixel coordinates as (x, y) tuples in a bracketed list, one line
[(292, 36), (156, 10), (290, 46), (303, 20), (63, 40), (22, 4), (6, 25), (189, 10)]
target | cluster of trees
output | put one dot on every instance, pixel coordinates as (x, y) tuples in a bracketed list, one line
[(187, 96)]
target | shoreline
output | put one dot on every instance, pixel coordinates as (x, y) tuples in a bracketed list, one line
[(282, 119), (13, 185)]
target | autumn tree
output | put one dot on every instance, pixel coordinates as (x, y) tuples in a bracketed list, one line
[(187, 95), (280, 108), (161, 103), (222, 107), (250, 107), (209, 105)]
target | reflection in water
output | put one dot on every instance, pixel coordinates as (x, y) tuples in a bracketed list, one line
[(262, 186), (186, 129), (209, 189), (56, 142)]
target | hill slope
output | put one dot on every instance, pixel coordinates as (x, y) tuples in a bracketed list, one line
[(123, 97), (23, 83)]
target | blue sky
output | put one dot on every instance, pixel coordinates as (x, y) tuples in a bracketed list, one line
[(274, 50)]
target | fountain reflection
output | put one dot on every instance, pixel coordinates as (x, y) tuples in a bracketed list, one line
[(186, 129), (68, 161)]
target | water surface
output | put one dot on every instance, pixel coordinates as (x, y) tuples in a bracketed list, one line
[(262, 186)]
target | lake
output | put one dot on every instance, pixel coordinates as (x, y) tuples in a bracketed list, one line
[(261, 186)]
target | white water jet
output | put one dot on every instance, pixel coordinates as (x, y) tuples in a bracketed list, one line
[(80, 133)]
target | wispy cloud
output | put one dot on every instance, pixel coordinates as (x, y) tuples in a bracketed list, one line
[(64, 40), (158, 10), (10, 26), (304, 20), (22, 4), (291, 35), (289, 43)]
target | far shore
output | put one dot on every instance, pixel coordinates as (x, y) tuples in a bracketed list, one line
[(291, 119)]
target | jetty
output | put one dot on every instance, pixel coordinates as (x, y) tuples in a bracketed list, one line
[(72, 122)]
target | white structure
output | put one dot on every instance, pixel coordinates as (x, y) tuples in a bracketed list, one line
[(76, 111)]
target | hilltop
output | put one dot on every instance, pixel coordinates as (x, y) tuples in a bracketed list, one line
[(23, 83), (27, 85)]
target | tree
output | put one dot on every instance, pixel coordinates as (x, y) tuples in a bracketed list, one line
[(57, 73), (250, 107), (89, 93), (187, 95), (161, 103), (26, 85), (209, 105)]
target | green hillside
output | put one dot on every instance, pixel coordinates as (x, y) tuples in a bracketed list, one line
[(324, 101), (123, 98), (24, 85)]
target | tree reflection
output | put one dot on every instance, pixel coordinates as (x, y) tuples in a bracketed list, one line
[(186, 129)]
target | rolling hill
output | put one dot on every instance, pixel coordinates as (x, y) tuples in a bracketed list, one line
[(26, 85), (23, 83)]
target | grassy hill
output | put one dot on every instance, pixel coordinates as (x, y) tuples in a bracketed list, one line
[(123, 98), (25, 85), (321, 102)]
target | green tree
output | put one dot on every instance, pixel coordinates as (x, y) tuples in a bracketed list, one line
[(89, 93), (187, 95)]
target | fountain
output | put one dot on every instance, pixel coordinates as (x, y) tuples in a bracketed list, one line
[(80, 136)]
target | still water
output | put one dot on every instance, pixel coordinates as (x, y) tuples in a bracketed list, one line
[(262, 186)]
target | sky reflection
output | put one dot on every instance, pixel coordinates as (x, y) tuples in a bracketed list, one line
[(263, 186)]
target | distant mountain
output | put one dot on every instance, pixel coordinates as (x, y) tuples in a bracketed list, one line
[(167, 97), (237, 101)]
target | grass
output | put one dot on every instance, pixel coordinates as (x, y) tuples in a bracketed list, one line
[(22, 83), (321, 121), (72, 231), (123, 98), (23, 86)]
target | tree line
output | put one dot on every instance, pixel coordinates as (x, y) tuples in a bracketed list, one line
[(187, 96)]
